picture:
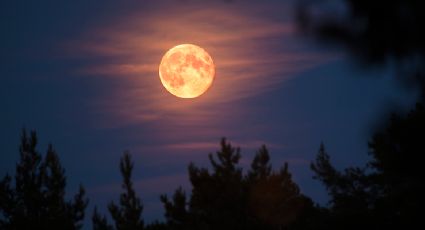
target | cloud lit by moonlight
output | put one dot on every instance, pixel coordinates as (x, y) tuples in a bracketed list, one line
[(252, 55)]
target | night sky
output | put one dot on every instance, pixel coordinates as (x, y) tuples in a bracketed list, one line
[(84, 75)]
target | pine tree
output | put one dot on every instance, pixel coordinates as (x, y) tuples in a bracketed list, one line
[(388, 191), (100, 222), (127, 215), (176, 213), (217, 200), (349, 192), (225, 198), (260, 166), (396, 154), (274, 199), (38, 198)]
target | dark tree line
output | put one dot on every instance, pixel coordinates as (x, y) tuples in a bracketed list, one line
[(223, 198), (385, 193)]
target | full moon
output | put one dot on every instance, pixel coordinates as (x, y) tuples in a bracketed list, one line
[(186, 71)]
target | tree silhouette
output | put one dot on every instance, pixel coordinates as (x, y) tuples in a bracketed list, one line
[(100, 222), (176, 213), (388, 191), (274, 199), (126, 215), (260, 166), (225, 198), (350, 193), (217, 197), (37, 199), (385, 193), (397, 152)]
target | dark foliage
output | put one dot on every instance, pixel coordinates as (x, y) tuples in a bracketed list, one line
[(217, 197), (126, 215), (36, 199), (225, 198), (156, 225), (386, 193), (176, 212), (100, 222), (373, 30)]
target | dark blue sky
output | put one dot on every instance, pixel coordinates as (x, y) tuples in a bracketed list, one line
[(84, 75)]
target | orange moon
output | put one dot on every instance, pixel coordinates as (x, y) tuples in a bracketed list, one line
[(186, 71)]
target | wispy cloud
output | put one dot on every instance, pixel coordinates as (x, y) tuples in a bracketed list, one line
[(253, 54), (118, 70), (196, 147)]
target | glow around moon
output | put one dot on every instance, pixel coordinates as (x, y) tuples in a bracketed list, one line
[(186, 71)]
